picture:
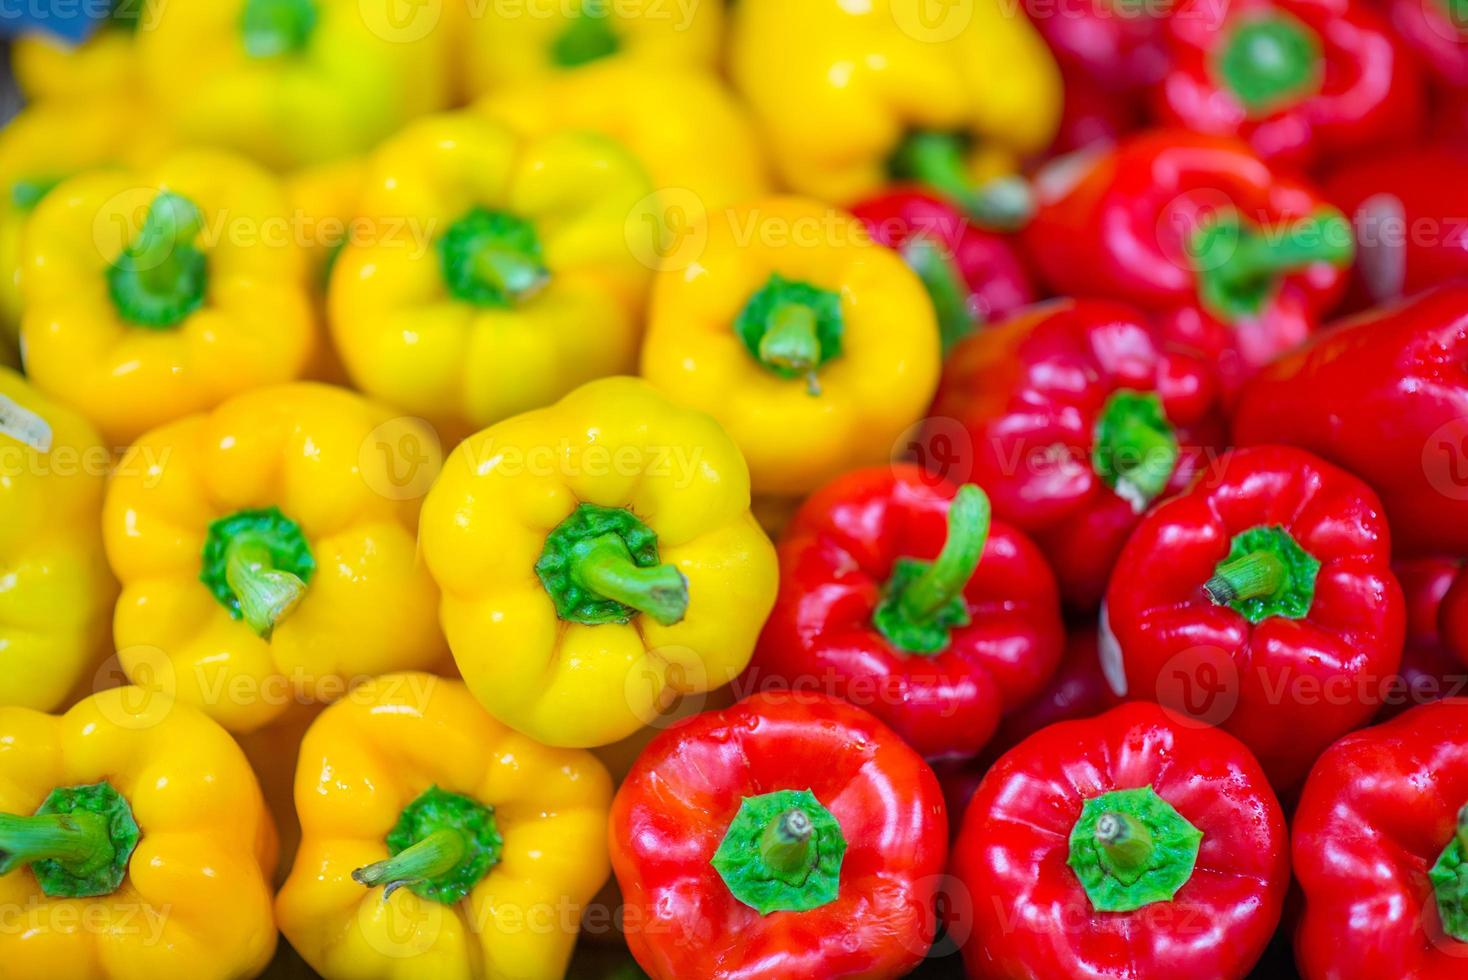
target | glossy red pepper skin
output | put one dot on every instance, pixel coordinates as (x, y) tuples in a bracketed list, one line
[(1429, 671), (1369, 90), (1120, 223), (1384, 395), (986, 268), (1378, 809), (1109, 54), (676, 804), (1285, 687), (1438, 38), (1410, 212), (1017, 409), (835, 560), (1030, 916)]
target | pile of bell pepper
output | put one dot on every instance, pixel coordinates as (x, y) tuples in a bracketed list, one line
[(680, 489)]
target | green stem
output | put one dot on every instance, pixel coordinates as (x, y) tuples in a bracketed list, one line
[(944, 580), (786, 845), (1136, 448), (1252, 576), (1125, 844), (604, 565), (1449, 878), (588, 38), (515, 274), (270, 28), (79, 841), (923, 601), (266, 594), (160, 277), (1271, 61), (1240, 265), (938, 270), (434, 856), (791, 343), (937, 161)]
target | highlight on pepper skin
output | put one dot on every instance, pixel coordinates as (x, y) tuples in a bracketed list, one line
[(727, 489)]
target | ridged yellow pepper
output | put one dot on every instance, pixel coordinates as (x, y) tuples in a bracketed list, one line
[(150, 297), (684, 126), (135, 845), (505, 42), (294, 82), (105, 64), (813, 347), (597, 558), (44, 144), (56, 593), (268, 552), (497, 273), (851, 95), (437, 843)]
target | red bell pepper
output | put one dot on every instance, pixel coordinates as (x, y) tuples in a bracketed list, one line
[(1410, 212), (1135, 845), (1429, 669), (1229, 256), (1301, 80), (973, 276), (792, 835), (1386, 396), (900, 594), (1109, 53), (1262, 601), (1381, 851), (1437, 31), (1453, 617), (1074, 416)]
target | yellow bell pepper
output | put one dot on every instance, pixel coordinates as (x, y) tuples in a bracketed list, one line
[(852, 94), (135, 845), (437, 843), (268, 552), (56, 593), (105, 64), (685, 127), (597, 559), (496, 273), (294, 82), (506, 42), (813, 347), (147, 298), (44, 144)]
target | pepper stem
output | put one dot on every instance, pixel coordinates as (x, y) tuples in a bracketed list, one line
[(1252, 576), (1449, 878), (432, 857), (1136, 448), (924, 600), (159, 279), (513, 273), (1240, 265), (266, 594), (791, 343), (604, 565), (1271, 61), (275, 27), (588, 38), (944, 580), (937, 161), (1125, 844), (786, 846), (80, 841)]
